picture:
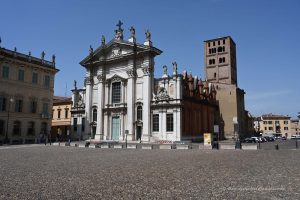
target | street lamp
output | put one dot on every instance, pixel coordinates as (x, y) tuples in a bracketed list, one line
[(6, 131)]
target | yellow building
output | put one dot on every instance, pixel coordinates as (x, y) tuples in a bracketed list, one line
[(26, 93), (61, 118), (278, 124)]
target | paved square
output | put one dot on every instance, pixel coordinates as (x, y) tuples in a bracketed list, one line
[(52, 172)]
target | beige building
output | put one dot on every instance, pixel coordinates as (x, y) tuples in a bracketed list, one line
[(295, 127), (26, 93), (278, 124), (221, 70), (61, 118)]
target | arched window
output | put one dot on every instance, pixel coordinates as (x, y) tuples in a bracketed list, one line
[(139, 113), (17, 128), (223, 59), (220, 60), (94, 115)]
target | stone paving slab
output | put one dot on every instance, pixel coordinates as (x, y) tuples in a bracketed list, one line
[(52, 172)]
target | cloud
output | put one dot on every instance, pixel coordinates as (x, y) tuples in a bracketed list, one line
[(266, 95)]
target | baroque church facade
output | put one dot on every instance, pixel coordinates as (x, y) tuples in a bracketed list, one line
[(121, 99)]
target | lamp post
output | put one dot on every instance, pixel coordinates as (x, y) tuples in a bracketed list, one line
[(6, 131)]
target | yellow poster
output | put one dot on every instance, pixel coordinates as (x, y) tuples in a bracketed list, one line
[(207, 138)]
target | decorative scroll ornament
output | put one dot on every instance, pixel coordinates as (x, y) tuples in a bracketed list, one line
[(162, 94), (147, 70), (100, 77)]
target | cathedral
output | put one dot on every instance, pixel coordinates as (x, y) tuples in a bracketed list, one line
[(122, 100)]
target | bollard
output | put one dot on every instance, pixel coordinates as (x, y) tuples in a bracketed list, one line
[(276, 147)]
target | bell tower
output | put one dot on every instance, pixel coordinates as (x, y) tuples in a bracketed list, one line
[(220, 60)]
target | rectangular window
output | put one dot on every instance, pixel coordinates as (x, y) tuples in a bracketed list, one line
[(75, 124), (34, 77), (45, 109), (270, 122), (31, 128), (5, 72), (270, 128), (223, 41), (33, 106), (156, 122), (169, 122), (2, 104), (265, 122), (46, 81), (116, 92), (1, 127), (286, 128), (18, 105), (17, 128), (286, 122), (66, 113), (58, 113), (82, 124), (265, 128), (21, 75), (219, 42)]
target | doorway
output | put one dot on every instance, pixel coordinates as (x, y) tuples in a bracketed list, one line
[(115, 128)]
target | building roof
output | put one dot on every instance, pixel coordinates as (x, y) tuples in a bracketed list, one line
[(27, 58), (61, 100), (273, 116)]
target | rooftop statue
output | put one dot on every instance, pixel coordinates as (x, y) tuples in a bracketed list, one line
[(174, 68), (102, 40), (148, 35)]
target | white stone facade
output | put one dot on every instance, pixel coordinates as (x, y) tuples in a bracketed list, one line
[(121, 95)]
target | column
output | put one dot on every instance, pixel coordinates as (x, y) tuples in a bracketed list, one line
[(100, 103), (88, 104), (146, 104), (178, 124), (105, 126), (163, 125), (130, 105)]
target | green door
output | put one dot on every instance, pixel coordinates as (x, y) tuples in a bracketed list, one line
[(115, 128)]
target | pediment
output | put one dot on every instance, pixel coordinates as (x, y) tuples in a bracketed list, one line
[(116, 78), (115, 49)]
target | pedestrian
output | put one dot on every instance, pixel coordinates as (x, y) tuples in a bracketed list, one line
[(49, 138)]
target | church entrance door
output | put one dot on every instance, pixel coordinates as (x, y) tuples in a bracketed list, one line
[(115, 128), (138, 133)]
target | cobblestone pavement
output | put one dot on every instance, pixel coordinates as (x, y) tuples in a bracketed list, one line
[(52, 172)]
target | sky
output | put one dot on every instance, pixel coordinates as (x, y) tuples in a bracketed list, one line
[(266, 33)]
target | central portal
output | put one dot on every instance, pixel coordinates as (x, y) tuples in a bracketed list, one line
[(115, 128)]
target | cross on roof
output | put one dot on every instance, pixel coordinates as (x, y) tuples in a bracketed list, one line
[(119, 24)]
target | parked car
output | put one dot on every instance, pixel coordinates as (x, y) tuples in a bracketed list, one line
[(249, 140), (295, 137), (283, 138), (255, 139)]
